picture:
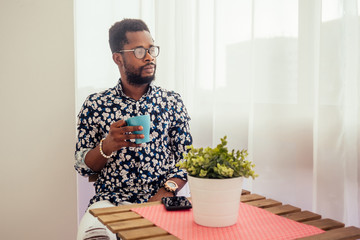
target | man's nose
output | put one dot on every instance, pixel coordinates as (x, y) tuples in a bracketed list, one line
[(148, 57)]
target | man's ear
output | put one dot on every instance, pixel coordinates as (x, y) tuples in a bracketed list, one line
[(117, 57)]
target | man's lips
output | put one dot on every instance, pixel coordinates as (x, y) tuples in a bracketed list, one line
[(149, 68)]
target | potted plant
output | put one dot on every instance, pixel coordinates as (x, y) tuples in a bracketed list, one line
[(215, 178)]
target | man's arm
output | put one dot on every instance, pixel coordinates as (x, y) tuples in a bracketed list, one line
[(114, 141), (163, 193), (180, 137)]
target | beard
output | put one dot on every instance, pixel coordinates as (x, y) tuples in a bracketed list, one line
[(134, 77)]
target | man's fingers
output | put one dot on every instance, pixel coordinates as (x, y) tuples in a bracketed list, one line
[(130, 129), (118, 124), (123, 128), (124, 137), (133, 136), (121, 134)]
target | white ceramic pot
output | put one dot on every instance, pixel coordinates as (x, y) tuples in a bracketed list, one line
[(215, 201)]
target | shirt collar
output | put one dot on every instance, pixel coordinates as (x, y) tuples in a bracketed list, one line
[(121, 93)]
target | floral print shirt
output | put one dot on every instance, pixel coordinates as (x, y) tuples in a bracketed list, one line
[(134, 174)]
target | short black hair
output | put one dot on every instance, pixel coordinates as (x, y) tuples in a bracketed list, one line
[(117, 33)]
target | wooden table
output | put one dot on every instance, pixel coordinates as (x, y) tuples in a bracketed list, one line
[(129, 225)]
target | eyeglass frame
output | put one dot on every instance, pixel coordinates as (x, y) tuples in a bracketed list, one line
[(146, 50)]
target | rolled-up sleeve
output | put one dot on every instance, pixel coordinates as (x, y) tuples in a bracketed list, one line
[(87, 138)]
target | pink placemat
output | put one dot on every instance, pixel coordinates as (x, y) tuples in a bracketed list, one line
[(253, 223)]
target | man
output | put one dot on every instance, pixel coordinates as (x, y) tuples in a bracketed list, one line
[(129, 172)]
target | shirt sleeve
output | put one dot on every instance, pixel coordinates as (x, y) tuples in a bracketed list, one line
[(180, 137), (87, 138)]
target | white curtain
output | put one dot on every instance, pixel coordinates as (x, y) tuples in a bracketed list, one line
[(278, 77)]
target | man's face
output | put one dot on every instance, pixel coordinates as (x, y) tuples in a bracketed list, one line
[(139, 71)]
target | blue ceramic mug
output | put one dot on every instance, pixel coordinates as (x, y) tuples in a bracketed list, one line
[(144, 121)]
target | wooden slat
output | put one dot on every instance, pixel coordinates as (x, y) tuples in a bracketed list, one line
[(142, 233), (302, 216), (283, 209), (348, 233), (251, 197), (123, 208), (265, 203), (325, 224), (116, 217), (129, 224), (165, 237)]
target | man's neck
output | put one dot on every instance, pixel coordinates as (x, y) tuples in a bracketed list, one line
[(134, 91)]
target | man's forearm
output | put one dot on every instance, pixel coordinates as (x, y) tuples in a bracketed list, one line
[(95, 160)]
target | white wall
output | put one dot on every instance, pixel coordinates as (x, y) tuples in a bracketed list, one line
[(37, 124), (93, 18)]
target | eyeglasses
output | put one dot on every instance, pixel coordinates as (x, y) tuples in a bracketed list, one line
[(140, 52)]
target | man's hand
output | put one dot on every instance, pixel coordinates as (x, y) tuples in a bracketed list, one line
[(118, 137), (160, 194)]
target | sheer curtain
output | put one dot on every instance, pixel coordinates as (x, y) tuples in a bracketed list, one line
[(278, 77)]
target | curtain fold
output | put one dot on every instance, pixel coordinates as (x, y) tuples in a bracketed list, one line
[(281, 79)]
